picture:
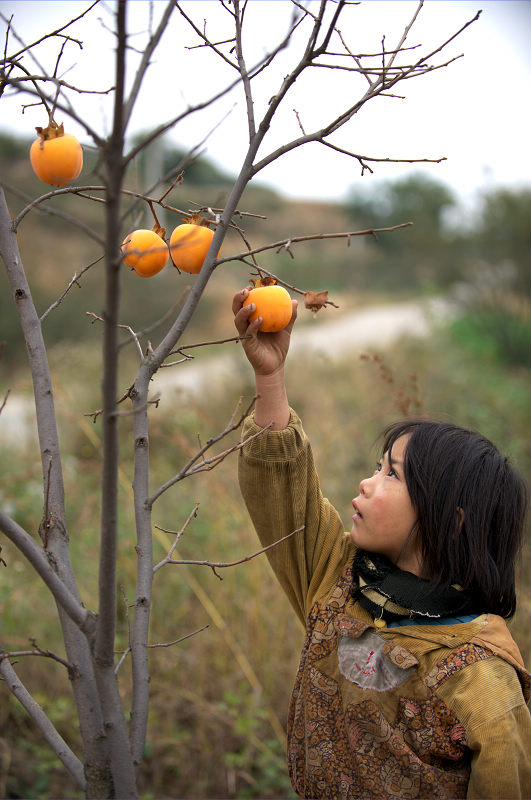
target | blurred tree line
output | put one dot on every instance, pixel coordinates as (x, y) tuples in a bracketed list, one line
[(443, 246), (483, 256)]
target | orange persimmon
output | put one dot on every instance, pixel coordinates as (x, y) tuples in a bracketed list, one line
[(56, 156), (189, 245), (273, 304), (145, 252)]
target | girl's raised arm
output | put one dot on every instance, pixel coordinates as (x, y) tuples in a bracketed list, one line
[(266, 353)]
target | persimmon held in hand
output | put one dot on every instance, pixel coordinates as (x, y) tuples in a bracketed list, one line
[(273, 304), (145, 252), (189, 245), (56, 156)]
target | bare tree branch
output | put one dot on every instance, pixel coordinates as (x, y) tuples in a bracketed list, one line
[(40, 563), (198, 344), (198, 462), (77, 624), (246, 81), (121, 761), (380, 85), (48, 731), (4, 401), (285, 243), (177, 535), (73, 282), (214, 565), (31, 47), (54, 212), (38, 651), (180, 639), (144, 64)]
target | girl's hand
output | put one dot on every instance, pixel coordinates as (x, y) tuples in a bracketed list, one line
[(266, 351)]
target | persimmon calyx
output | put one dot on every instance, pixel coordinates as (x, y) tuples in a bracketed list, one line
[(266, 280), (52, 131), (159, 230), (196, 219)]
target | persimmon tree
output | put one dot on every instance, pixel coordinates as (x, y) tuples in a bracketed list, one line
[(113, 730)]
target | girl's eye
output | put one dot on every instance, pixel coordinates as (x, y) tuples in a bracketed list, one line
[(391, 472)]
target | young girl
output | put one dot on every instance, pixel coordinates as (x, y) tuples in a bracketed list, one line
[(409, 684)]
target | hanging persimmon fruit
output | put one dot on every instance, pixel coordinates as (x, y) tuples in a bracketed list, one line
[(189, 244), (273, 304), (56, 156), (145, 251)]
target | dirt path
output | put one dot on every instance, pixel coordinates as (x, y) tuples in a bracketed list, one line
[(377, 326)]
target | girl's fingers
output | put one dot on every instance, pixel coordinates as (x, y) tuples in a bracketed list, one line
[(241, 321), (237, 300), (242, 314), (291, 323)]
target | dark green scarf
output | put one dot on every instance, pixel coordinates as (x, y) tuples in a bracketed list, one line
[(390, 593)]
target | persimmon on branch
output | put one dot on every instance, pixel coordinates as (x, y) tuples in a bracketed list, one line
[(284, 244)]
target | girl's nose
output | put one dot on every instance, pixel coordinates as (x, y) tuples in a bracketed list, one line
[(365, 486)]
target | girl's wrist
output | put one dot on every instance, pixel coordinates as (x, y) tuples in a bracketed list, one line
[(270, 379), (272, 401)]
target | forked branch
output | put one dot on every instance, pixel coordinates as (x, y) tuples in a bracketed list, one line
[(48, 731), (198, 462), (215, 565)]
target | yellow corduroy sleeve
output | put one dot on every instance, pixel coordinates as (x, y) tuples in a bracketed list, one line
[(281, 490), (487, 698)]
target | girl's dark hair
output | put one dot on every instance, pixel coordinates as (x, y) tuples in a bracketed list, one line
[(471, 506)]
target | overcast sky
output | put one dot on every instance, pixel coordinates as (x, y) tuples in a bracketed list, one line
[(476, 111)]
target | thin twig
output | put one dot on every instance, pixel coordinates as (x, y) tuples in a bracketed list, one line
[(35, 712), (73, 282), (214, 565), (96, 414), (134, 336), (186, 357), (312, 237), (5, 400), (198, 462), (161, 321), (56, 32), (181, 639), (54, 212), (38, 651), (192, 515), (127, 617)]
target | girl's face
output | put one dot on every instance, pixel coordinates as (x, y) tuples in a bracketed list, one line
[(384, 515)]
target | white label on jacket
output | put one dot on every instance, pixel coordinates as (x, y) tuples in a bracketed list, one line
[(363, 662)]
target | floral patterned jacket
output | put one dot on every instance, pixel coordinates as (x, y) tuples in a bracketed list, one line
[(421, 711)]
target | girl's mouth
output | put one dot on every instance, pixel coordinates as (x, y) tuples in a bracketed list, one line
[(357, 513)]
